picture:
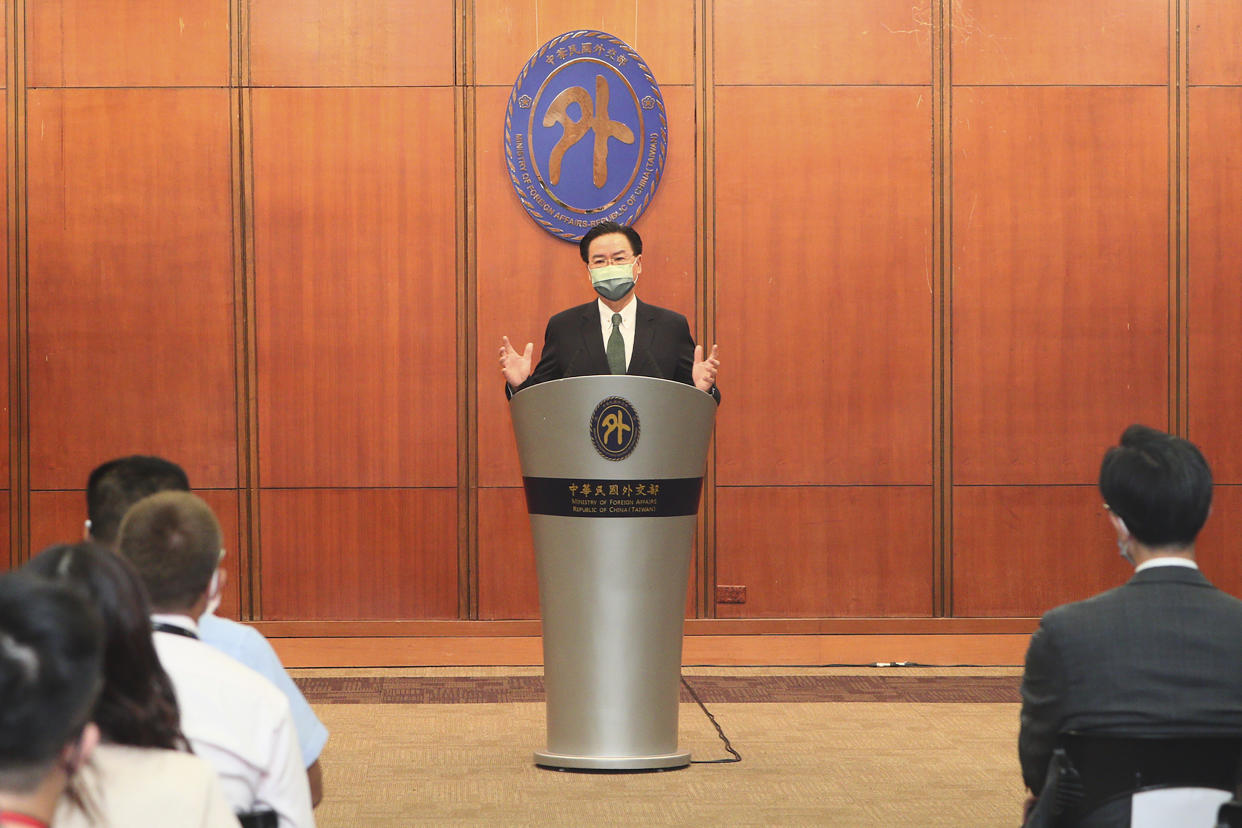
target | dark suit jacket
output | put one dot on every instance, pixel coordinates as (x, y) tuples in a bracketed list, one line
[(573, 346), (1159, 655)]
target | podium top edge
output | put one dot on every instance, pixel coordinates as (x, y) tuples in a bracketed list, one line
[(619, 379)]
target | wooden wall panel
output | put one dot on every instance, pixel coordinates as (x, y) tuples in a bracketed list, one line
[(127, 43), (825, 551), (1215, 48), (1059, 42), (508, 32), (130, 282), (57, 517), (824, 286), (807, 41), (525, 275), (1022, 550), (225, 502), (1217, 548), (508, 584), (1060, 278), (1215, 314), (351, 43), (4, 308), (356, 286), (359, 554), (6, 551), (819, 127)]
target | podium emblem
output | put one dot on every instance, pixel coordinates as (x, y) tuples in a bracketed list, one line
[(614, 428), (586, 134)]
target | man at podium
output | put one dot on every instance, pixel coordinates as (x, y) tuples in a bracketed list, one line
[(617, 333)]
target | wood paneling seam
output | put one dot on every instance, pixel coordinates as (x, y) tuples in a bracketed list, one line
[(467, 322), (19, 405)]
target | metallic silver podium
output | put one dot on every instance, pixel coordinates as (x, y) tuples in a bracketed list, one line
[(613, 470)]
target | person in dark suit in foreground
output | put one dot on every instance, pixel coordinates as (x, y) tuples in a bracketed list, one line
[(617, 333), (1160, 655)]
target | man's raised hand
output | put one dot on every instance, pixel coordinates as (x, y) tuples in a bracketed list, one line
[(515, 366), (704, 371)]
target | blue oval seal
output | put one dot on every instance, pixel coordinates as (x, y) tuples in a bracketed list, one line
[(586, 134), (614, 428)]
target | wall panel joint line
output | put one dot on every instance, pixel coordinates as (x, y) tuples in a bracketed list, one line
[(244, 316), (942, 310), (705, 268), (1179, 218), (467, 322), (18, 340)]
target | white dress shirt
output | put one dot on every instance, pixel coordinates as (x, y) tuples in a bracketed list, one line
[(1168, 560), (240, 723), (628, 315)]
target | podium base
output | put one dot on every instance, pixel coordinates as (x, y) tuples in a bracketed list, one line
[(666, 761)]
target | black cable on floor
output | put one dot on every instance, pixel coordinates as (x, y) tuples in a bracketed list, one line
[(737, 757)]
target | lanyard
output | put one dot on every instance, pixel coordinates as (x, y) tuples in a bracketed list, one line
[(160, 626)]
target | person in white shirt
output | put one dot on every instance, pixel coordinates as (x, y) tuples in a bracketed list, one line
[(233, 717), (140, 773), (112, 488)]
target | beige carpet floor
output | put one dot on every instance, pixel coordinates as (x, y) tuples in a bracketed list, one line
[(943, 762)]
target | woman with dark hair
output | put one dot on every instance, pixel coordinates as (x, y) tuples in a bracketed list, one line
[(50, 652), (142, 773), (137, 706)]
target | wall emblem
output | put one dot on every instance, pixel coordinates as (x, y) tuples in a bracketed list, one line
[(586, 134), (614, 428)]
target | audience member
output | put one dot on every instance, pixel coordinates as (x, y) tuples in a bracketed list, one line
[(232, 716), (139, 774), (115, 486), (51, 646), (1157, 656)]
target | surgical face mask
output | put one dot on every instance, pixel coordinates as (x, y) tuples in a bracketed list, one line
[(613, 281), (213, 594), (1123, 548)]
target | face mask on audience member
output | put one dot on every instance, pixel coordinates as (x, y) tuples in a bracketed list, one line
[(613, 281), (213, 594)]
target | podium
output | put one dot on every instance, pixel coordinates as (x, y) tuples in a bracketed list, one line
[(613, 471)]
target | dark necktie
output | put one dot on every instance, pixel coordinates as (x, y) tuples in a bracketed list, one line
[(616, 347)]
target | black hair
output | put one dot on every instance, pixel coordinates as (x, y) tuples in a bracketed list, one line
[(603, 229), (51, 646), (137, 705), (115, 486), (1159, 484)]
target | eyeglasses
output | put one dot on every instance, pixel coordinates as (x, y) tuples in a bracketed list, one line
[(614, 259)]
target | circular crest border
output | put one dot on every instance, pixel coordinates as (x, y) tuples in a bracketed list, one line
[(631, 214), (628, 448)]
